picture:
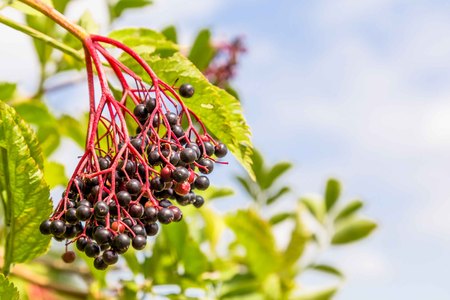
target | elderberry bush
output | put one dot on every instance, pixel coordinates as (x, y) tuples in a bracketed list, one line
[(121, 192)]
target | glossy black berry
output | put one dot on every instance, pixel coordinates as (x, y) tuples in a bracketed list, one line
[(77, 185), (180, 174), (82, 243), (201, 183), (68, 257), (139, 242), (165, 203), (102, 236), (151, 229), (92, 249), (84, 203), (186, 90), (150, 214), (128, 222), (157, 184), (70, 232), (172, 118), (150, 104), (177, 214), (175, 158), (220, 150), (83, 213), (99, 264), (57, 228), (44, 228), (110, 257), (136, 210), (207, 164), (141, 112), (103, 163), (165, 215), (139, 230), (196, 148), (177, 130), (124, 198), (137, 144), (134, 186), (188, 155), (121, 243), (199, 201), (153, 157), (101, 209), (71, 216)]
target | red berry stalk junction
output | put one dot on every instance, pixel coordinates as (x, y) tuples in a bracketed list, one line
[(126, 183)]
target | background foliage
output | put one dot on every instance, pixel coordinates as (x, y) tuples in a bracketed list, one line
[(211, 254)]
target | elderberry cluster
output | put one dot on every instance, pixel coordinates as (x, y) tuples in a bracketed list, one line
[(118, 198)]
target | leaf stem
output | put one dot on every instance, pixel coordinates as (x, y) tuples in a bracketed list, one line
[(43, 37)]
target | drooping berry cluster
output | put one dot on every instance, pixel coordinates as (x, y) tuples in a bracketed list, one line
[(125, 185)]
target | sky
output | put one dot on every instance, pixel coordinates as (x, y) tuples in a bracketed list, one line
[(358, 90)]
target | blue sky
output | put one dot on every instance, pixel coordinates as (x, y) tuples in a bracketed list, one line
[(353, 89)]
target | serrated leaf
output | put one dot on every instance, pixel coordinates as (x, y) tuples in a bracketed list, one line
[(225, 121), (7, 90), (278, 218), (315, 207), (323, 294), (27, 200), (348, 210), (255, 234), (202, 51), (327, 269), (332, 193), (299, 237), (7, 289), (54, 174), (274, 173), (353, 230), (170, 33), (281, 192)]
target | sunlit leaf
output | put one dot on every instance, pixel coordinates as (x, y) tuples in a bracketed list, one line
[(327, 269), (274, 173), (323, 294), (282, 191), (7, 289), (170, 33), (54, 174), (202, 51), (315, 207), (348, 210), (7, 90), (278, 218), (332, 192), (74, 129), (299, 238)]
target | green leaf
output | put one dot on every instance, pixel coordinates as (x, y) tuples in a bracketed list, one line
[(278, 195), (324, 294), (278, 218), (121, 6), (297, 243), (35, 112), (255, 234), (27, 194), (54, 174), (348, 210), (49, 139), (353, 230), (258, 166), (274, 173), (74, 129), (202, 51), (327, 269), (170, 33), (315, 207), (132, 261), (7, 289), (214, 226), (218, 110), (332, 193), (213, 193), (7, 90), (241, 285), (46, 26), (247, 185), (144, 40)]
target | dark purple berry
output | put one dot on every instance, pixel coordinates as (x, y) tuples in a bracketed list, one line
[(136, 210), (102, 236), (207, 164), (165, 203), (137, 144), (82, 243), (134, 186), (103, 163), (165, 215), (201, 183), (151, 229), (220, 150), (150, 214), (121, 243), (157, 184), (172, 118), (177, 214), (68, 257), (199, 201), (124, 198), (150, 104), (141, 112), (83, 213), (57, 228), (110, 257), (139, 230), (139, 242), (188, 155), (45, 227), (92, 249), (71, 216), (101, 209), (186, 90), (177, 130), (99, 264), (180, 174)]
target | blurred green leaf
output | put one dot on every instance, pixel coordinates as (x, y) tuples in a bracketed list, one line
[(324, 294), (170, 33), (27, 194), (281, 192), (49, 139), (7, 289), (327, 269), (348, 210), (299, 238), (54, 174), (353, 230), (274, 173), (255, 235), (213, 193), (247, 185), (241, 285), (129, 290), (214, 226), (202, 51), (61, 5), (7, 90), (278, 218), (332, 193), (119, 7), (132, 261), (74, 129), (272, 287), (258, 166), (47, 26), (35, 112), (315, 207)]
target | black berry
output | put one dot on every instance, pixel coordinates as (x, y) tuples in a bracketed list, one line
[(186, 90)]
